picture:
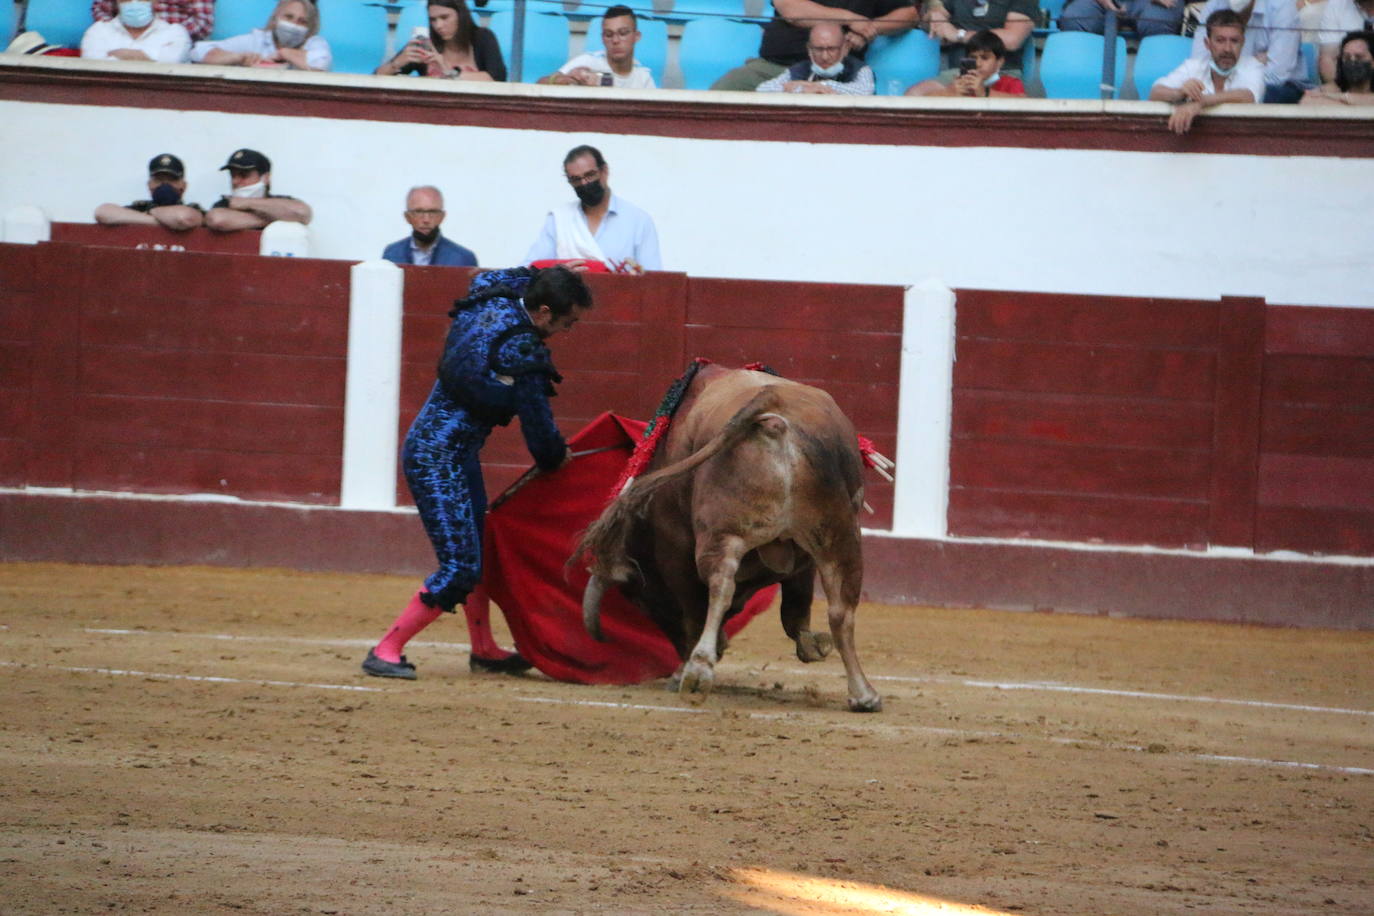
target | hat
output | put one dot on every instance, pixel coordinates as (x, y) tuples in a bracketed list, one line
[(248, 159), (166, 164), (29, 43)]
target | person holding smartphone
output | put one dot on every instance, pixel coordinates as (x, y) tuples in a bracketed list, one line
[(980, 74), (616, 65), (454, 48)]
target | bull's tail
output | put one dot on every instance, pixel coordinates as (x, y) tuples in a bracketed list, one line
[(603, 544)]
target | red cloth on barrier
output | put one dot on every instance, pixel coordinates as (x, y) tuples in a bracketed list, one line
[(530, 536)]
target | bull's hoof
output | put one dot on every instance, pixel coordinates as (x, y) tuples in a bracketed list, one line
[(696, 683), (812, 647), (872, 703)]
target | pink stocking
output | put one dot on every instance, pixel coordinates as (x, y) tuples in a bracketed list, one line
[(477, 609), (413, 619)]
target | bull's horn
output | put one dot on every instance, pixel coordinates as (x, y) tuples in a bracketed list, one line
[(591, 607)]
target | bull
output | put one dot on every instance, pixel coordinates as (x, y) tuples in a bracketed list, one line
[(757, 482)]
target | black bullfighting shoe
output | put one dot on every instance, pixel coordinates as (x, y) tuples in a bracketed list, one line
[(511, 664), (380, 667)]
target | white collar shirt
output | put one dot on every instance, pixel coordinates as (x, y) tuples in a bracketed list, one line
[(1248, 74), (1273, 31), (1340, 17), (162, 41), (318, 55)]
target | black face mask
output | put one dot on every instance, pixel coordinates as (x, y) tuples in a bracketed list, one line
[(1356, 72), (164, 195), (425, 238), (591, 193)]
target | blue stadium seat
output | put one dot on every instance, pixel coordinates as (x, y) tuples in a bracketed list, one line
[(356, 34), (901, 61), (483, 14), (652, 50), (1157, 56), (1309, 62), (546, 41), (692, 10), (60, 22), (1051, 10), (6, 22), (1070, 67), (711, 48), (239, 17)]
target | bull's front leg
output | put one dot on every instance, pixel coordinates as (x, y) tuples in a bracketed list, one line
[(717, 565)]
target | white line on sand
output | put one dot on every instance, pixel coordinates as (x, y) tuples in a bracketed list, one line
[(293, 640), (156, 675)]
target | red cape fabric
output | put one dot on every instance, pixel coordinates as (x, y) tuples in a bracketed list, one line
[(530, 536)]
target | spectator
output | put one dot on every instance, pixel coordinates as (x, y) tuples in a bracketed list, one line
[(251, 203), (166, 205), (136, 34), (456, 48), (598, 226), (1010, 20), (828, 69), (616, 65), (984, 79), (1353, 69), (1310, 18), (1340, 18), (1271, 37), (198, 16), (425, 213), (1227, 75), (785, 38), (1149, 17), (291, 39)]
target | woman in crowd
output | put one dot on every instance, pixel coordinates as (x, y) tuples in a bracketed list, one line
[(1354, 68), (456, 48), (136, 33), (291, 39)]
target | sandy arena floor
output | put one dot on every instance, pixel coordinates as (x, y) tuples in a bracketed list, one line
[(202, 741)]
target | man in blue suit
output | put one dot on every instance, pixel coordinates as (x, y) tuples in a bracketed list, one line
[(425, 245)]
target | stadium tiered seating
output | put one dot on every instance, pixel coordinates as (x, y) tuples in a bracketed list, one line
[(7, 22), (691, 10), (1157, 56), (901, 61), (356, 33), (546, 42), (60, 22), (239, 17), (652, 50), (712, 47), (1070, 66), (1309, 61)]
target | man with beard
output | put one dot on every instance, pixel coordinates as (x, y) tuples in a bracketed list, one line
[(425, 212), (828, 70), (599, 227), (1223, 76)]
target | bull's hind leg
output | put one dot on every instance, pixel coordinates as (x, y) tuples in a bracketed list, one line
[(842, 580), (717, 565), (795, 611)]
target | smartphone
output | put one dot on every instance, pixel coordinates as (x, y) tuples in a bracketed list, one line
[(420, 33), (967, 65), (607, 79)]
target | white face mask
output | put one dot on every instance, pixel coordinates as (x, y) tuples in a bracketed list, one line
[(251, 190), (829, 72), (289, 34), (135, 14), (1220, 72)]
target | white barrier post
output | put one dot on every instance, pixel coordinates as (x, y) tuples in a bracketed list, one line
[(920, 500), (284, 239), (26, 225), (372, 393)]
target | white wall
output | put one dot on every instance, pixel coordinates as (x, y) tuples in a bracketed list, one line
[(1294, 230)]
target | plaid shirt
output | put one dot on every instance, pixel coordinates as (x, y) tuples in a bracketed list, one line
[(198, 16)]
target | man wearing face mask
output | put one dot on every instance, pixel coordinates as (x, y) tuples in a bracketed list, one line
[(198, 16), (1226, 75), (251, 203), (136, 34), (828, 70), (165, 207), (599, 227), (290, 40), (425, 213), (1272, 31)]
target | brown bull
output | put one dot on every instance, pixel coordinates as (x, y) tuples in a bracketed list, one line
[(757, 482)]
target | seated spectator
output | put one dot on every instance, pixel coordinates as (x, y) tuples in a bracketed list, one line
[(251, 203), (1226, 75), (291, 40), (1340, 18), (425, 245), (616, 65), (980, 74), (166, 205), (136, 34), (198, 16), (827, 70), (456, 48), (1353, 71), (1010, 20), (785, 38), (1271, 37), (1147, 17)]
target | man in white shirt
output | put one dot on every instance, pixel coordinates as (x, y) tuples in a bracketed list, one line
[(616, 66), (1226, 75), (136, 34), (1272, 34), (1338, 19), (829, 68), (598, 226)]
